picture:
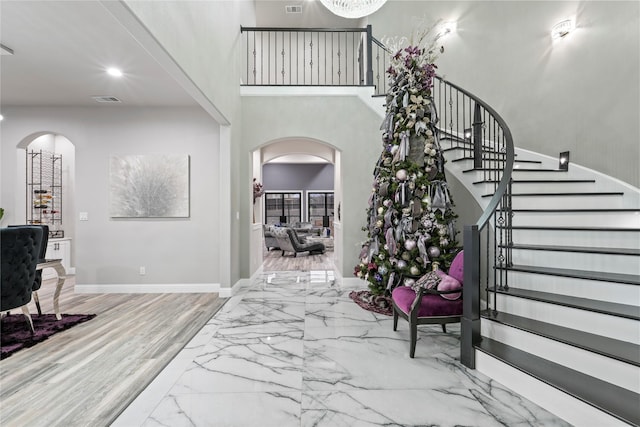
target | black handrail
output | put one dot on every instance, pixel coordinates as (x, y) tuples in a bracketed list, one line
[(500, 201)]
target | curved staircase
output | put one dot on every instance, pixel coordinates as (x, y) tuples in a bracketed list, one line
[(564, 330)]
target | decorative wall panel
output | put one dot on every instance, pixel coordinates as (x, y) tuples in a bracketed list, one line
[(149, 186)]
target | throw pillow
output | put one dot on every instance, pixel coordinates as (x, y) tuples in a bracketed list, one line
[(448, 283)]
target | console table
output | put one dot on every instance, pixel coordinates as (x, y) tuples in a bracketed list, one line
[(56, 264)]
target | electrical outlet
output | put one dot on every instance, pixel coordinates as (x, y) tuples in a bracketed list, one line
[(84, 216), (143, 271)]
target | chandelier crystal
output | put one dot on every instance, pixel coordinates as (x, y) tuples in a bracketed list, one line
[(353, 8)]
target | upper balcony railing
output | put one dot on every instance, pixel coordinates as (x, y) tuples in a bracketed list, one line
[(467, 124), (312, 57)]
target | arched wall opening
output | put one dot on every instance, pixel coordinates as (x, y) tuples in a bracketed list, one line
[(295, 151), (34, 155)]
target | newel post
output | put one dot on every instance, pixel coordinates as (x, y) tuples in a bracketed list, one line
[(477, 137), (369, 80), (470, 327)]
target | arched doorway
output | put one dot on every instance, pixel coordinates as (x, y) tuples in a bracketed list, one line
[(317, 202), (46, 169)]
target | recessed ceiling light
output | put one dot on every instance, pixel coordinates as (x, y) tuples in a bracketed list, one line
[(114, 72), (1, 117)]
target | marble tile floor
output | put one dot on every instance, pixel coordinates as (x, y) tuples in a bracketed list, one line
[(292, 349)]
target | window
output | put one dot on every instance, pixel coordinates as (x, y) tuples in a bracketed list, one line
[(283, 208), (320, 208)]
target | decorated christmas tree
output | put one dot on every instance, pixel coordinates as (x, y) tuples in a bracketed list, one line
[(410, 221)]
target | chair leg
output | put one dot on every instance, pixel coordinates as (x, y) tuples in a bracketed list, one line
[(37, 301), (395, 320), (25, 311), (413, 328), (444, 328)]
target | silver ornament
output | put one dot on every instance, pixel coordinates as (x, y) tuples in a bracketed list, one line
[(434, 251)]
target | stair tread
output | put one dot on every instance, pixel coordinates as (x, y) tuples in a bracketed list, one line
[(576, 228), (631, 279), (583, 249), (514, 170), (604, 307), (620, 350), (541, 181), (577, 210), (616, 401), (580, 194), (459, 159)]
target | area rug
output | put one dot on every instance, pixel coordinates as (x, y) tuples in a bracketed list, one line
[(377, 303), (15, 334)]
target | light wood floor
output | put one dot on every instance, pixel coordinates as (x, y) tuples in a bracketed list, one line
[(87, 375), (274, 261)]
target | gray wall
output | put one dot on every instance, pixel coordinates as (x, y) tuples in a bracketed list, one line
[(107, 251), (580, 94), (290, 176), (203, 37), (346, 124)]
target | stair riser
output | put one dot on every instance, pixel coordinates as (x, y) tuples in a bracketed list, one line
[(624, 264), (600, 324), (520, 174), (574, 219), (619, 293), (556, 401), (567, 202), (489, 188), (611, 370), (605, 239), (557, 187)]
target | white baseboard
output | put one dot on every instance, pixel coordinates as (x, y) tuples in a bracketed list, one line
[(138, 288)]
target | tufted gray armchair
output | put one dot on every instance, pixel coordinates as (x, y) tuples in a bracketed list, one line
[(19, 255)]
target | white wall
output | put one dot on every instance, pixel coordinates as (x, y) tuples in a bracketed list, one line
[(581, 94), (108, 251)]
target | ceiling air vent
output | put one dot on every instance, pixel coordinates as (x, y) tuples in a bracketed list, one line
[(108, 99), (293, 8)]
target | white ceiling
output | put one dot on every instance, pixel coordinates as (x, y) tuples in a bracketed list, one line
[(62, 48)]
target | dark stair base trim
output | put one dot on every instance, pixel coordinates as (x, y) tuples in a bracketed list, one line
[(541, 181), (602, 193), (604, 307), (585, 228), (578, 249), (630, 279), (615, 401), (615, 349)]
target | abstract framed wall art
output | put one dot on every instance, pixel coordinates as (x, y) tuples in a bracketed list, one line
[(149, 186)]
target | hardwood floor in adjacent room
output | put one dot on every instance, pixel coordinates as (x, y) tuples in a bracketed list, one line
[(87, 375), (273, 260)]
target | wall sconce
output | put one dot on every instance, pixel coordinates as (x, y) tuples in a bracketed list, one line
[(562, 28), (564, 161), (467, 134), (4, 50), (447, 28)]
